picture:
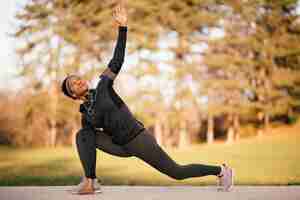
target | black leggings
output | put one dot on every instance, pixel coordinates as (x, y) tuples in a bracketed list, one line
[(144, 146)]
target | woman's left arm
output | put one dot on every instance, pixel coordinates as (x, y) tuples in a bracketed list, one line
[(117, 61)]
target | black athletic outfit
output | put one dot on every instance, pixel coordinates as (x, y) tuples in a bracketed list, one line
[(108, 124)]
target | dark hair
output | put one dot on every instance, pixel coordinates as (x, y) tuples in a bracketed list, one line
[(65, 89)]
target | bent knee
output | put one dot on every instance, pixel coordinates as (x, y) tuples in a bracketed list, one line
[(84, 135), (125, 155)]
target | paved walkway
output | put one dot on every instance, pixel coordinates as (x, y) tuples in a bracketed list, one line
[(153, 193)]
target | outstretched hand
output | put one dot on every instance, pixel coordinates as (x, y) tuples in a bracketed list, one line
[(120, 14)]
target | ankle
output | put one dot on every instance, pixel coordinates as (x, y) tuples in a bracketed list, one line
[(87, 180), (221, 171)]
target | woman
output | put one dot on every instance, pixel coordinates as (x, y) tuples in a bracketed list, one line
[(121, 134)]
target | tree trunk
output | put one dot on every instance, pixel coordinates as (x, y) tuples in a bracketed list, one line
[(230, 135), (230, 131), (210, 129), (53, 105), (236, 125), (158, 132), (260, 117), (266, 123), (168, 141), (53, 133), (74, 131), (183, 136), (166, 132)]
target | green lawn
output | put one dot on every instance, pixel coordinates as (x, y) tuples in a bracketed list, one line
[(266, 160)]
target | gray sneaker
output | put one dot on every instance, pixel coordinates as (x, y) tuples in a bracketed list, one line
[(97, 185), (225, 178)]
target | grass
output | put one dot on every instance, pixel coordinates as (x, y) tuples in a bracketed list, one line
[(268, 160)]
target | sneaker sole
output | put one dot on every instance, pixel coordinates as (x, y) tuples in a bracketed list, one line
[(85, 193)]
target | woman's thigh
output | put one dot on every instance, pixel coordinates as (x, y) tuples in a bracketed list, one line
[(145, 147), (104, 143)]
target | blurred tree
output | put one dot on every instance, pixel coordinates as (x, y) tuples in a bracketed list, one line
[(254, 67), (247, 56), (274, 43)]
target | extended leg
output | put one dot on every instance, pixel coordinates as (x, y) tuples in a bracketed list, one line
[(144, 146)]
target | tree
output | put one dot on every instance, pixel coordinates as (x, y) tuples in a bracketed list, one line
[(246, 66), (249, 51)]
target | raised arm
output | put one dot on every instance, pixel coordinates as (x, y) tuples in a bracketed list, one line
[(115, 64)]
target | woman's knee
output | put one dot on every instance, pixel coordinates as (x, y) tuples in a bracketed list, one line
[(79, 135), (124, 154), (83, 136)]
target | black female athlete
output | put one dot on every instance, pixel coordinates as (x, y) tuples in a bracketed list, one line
[(109, 125)]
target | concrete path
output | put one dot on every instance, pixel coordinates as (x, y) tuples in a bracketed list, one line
[(153, 193)]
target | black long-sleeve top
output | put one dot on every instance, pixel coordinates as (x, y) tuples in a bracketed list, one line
[(116, 62), (105, 109)]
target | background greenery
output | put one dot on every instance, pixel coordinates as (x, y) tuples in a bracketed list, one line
[(265, 160)]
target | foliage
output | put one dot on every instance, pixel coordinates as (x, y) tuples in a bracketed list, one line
[(252, 67)]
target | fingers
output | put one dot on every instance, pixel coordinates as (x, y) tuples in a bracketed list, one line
[(120, 7), (116, 10), (120, 14), (114, 13)]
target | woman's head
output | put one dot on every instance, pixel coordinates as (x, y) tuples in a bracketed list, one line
[(75, 87)]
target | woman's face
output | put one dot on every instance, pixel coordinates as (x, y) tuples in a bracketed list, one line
[(78, 86)]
